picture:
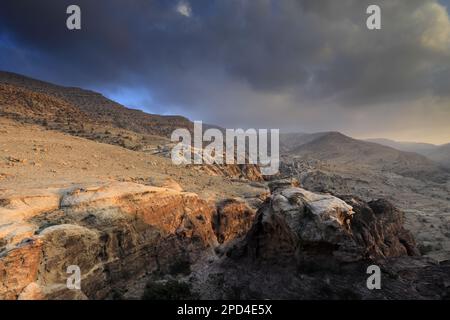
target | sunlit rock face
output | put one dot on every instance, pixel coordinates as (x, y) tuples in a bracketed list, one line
[(113, 232), (232, 220)]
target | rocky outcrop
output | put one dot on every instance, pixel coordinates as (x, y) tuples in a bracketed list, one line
[(115, 233), (249, 172), (305, 245), (378, 227), (322, 229)]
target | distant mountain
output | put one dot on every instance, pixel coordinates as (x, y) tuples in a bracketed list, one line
[(290, 141), (441, 155), (418, 147), (339, 150)]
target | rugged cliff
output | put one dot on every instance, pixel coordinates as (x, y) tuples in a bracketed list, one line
[(298, 245), (115, 233)]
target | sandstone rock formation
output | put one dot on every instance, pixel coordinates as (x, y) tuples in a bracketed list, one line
[(232, 220), (305, 245), (319, 228), (114, 232), (300, 245)]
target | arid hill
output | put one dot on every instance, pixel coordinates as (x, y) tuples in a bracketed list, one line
[(438, 153), (441, 155), (417, 147), (99, 108), (90, 115), (337, 149)]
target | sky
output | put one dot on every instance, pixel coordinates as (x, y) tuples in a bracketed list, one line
[(296, 65)]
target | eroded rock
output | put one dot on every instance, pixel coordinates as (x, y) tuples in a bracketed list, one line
[(305, 245), (232, 220), (115, 233), (309, 227)]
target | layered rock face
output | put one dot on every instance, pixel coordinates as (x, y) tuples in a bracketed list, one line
[(232, 220), (114, 233), (299, 245)]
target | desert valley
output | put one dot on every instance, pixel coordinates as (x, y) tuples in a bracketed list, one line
[(86, 181)]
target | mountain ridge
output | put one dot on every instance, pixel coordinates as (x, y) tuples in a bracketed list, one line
[(101, 108), (338, 149), (437, 153)]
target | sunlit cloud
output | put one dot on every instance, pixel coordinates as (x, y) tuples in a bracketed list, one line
[(184, 9)]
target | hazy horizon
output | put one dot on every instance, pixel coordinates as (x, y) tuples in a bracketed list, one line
[(299, 66)]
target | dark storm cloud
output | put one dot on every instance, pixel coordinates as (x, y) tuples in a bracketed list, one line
[(225, 59)]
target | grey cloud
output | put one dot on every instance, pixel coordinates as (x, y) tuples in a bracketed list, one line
[(230, 59)]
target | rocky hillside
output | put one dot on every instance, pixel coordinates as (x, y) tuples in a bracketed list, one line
[(417, 147), (89, 115), (27, 105), (21, 103), (99, 108), (441, 155), (337, 149)]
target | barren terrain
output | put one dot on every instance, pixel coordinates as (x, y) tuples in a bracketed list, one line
[(86, 181), (33, 157)]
